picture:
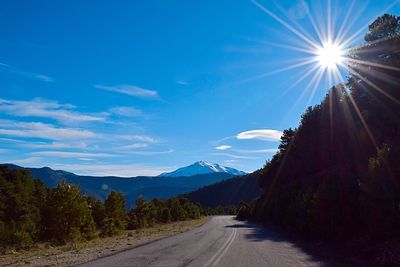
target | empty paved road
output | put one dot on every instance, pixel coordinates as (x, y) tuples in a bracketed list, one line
[(222, 241)]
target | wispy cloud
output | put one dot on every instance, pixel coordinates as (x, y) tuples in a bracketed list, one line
[(43, 78), (24, 73), (223, 147), (152, 153), (130, 90), (126, 111), (133, 146), (42, 108), (55, 145), (104, 169), (42, 131), (182, 82), (264, 134), (26, 162), (67, 154), (136, 138)]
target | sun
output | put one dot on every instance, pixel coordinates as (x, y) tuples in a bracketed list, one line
[(330, 55)]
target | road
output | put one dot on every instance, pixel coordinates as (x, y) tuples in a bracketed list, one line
[(222, 241)]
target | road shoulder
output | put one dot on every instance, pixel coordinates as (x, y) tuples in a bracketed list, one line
[(69, 255)]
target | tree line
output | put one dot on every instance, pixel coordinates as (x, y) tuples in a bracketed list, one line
[(30, 212), (336, 177)]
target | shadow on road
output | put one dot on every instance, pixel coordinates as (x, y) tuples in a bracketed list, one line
[(317, 253), (257, 233)]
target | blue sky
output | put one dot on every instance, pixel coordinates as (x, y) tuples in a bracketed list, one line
[(140, 87)]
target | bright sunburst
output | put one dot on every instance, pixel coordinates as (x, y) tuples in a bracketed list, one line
[(325, 51), (330, 55)]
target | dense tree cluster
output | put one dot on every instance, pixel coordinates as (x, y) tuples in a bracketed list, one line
[(30, 212), (148, 213), (337, 176), (230, 192)]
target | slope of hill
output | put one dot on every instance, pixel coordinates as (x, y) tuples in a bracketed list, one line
[(202, 167), (149, 187), (228, 192), (336, 178)]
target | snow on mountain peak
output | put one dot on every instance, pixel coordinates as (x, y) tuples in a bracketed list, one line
[(202, 167)]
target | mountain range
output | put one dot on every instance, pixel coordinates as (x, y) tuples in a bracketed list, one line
[(178, 182)]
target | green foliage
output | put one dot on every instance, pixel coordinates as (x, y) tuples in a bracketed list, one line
[(336, 177), (115, 215), (19, 216), (384, 26), (228, 193), (148, 213), (70, 218), (178, 213), (30, 212), (98, 211)]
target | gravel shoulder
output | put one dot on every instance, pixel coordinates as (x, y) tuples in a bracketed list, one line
[(73, 254)]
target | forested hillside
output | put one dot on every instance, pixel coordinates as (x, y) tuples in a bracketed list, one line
[(230, 192), (148, 187), (30, 212), (336, 177)]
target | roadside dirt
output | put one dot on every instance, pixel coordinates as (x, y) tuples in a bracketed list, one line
[(70, 255)]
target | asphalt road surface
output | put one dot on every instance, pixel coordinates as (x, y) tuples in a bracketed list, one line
[(222, 241)]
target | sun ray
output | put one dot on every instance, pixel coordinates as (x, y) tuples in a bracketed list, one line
[(346, 26), (294, 22), (376, 87), (285, 24), (330, 54), (373, 64), (294, 66), (316, 83), (291, 47), (316, 28), (358, 33)]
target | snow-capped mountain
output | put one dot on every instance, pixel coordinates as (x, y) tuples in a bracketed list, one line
[(202, 167)]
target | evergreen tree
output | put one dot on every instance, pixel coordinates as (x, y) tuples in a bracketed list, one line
[(115, 216), (69, 216)]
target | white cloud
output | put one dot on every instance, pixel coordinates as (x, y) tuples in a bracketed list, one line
[(182, 82), (126, 111), (43, 78), (133, 146), (223, 147), (265, 135), (130, 90), (27, 74), (104, 169), (67, 154), (42, 131), (46, 109), (136, 138), (152, 153), (26, 162), (55, 145), (4, 151)]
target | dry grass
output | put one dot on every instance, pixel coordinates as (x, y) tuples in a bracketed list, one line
[(72, 254)]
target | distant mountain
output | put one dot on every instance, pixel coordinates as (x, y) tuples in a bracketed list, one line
[(228, 192), (150, 187), (202, 167)]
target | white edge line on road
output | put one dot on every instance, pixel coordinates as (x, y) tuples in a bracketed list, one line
[(226, 244), (225, 250)]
